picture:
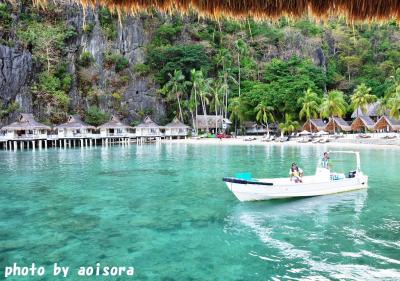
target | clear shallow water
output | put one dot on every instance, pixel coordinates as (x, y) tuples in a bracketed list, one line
[(165, 210)]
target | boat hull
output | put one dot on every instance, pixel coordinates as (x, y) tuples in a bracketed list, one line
[(256, 192)]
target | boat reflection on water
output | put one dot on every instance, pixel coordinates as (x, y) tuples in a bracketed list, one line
[(309, 238)]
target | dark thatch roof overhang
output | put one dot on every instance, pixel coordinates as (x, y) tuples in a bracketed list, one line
[(354, 10)]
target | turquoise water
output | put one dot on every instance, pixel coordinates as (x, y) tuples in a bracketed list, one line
[(164, 210)]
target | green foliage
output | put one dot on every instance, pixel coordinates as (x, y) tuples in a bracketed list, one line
[(86, 59), (108, 23), (166, 34), (88, 28), (308, 28), (119, 61), (5, 16), (94, 116), (141, 69), (10, 108), (183, 57), (333, 105), (289, 125), (362, 98)]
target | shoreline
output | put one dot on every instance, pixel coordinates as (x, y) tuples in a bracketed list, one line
[(350, 143)]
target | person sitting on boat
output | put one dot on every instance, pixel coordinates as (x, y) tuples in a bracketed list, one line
[(325, 161), (296, 173)]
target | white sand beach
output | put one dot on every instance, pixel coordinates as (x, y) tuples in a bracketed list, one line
[(343, 142)]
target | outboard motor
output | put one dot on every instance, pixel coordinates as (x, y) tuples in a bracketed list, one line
[(352, 174)]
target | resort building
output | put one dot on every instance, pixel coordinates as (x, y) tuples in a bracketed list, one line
[(363, 124), (252, 128), (176, 129), (337, 124), (114, 131), (214, 122), (387, 124), (148, 129), (25, 132), (314, 125), (74, 128), (373, 111)]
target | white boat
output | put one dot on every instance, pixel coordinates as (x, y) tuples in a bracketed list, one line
[(324, 182)]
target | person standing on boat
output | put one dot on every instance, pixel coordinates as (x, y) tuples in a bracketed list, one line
[(325, 161)]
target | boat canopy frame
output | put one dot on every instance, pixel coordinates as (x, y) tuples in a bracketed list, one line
[(349, 152)]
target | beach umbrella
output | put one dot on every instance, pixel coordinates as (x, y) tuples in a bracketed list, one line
[(304, 133)]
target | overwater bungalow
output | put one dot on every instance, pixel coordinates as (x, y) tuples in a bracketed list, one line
[(148, 128), (74, 128), (387, 124), (25, 132), (176, 129), (337, 124), (115, 130), (314, 125), (214, 122), (363, 123)]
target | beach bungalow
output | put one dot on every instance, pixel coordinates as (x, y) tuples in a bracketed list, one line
[(115, 129), (148, 128), (74, 128), (363, 123), (25, 132), (337, 124), (387, 124), (252, 128), (214, 122), (176, 129), (373, 111), (314, 125)]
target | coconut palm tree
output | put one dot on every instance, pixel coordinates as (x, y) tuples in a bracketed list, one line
[(265, 113), (361, 98), (310, 103), (241, 48), (289, 125), (197, 78), (235, 109), (333, 105), (175, 89), (392, 98), (217, 93)]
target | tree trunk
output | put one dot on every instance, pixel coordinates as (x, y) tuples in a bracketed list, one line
[(180, 108), (216, 119), (239, 71), (195, 101)]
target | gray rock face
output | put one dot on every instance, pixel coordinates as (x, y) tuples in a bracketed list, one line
[(15, 74)]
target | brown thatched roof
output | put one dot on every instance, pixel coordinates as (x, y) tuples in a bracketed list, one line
[(176, 124), (386, 121), (114, 123), (337, 123), (148, 123), (75, 122), (26, 121), (211, 120), (362, 122), (316, 125), (261, 9)]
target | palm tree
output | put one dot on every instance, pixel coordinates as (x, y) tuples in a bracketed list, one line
[(175, 88), (196, 78), (241, 48), (289, 125), (265, 114), (361, 98), (310, 106), (235, 109), (217, 91), (333, 105), (392, 98)]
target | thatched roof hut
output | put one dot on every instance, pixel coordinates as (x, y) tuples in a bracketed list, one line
[(315, 125), (388, 124), (147, 123), (261, 9), (337, 124), (75, 122), (25, 121), (372, 110), (114, 123), (201, 123), (176, 124), (363, 123)]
